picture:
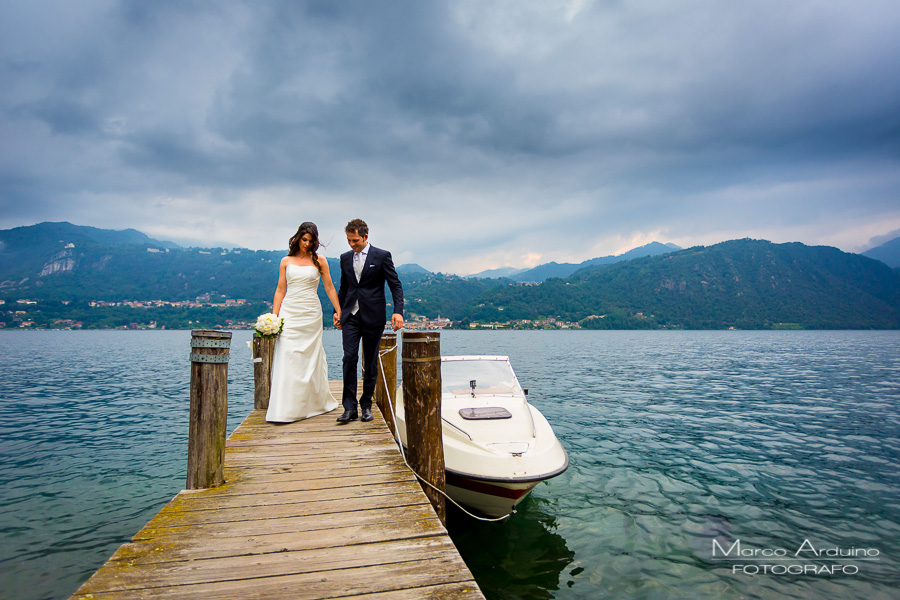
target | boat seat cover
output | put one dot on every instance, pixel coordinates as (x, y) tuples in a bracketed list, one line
[(484, 413)]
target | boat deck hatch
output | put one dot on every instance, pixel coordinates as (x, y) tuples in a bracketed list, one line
[(484, 413)]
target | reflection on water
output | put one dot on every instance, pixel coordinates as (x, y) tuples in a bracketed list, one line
[(679, 438), (674, 439), (93, 442), (521, 558)]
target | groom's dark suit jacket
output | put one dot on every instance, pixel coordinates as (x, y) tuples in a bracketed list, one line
[(379, 268)]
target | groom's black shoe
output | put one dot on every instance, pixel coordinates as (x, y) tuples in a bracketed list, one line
[(349, 415), (366, 414)]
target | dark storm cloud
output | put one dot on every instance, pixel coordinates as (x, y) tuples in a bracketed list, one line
[(383, 83), (587, 118)]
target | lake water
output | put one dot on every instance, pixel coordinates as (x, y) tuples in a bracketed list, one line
[(783, 442)]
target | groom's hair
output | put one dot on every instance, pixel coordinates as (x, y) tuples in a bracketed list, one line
[(357, 226)]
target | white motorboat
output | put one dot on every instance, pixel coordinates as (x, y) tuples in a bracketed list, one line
[(497, 446)]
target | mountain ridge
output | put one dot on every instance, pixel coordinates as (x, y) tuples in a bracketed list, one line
[(888, 253), (738, 283), (46, 231), (745, 284), (546, 271)]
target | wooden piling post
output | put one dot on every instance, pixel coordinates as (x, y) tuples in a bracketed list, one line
[(421, 358), (385, 397), (209, 408), (264, 351)]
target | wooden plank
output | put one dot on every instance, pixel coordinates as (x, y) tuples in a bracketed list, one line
[(312, 449), (450, 591), (166, 549), (322, 585), (321, 470), (179, 518), (235, 568), (305, 459), (212, 532), (386, 454), (265, 437), (309, 510), (327, 461), (185, 502)]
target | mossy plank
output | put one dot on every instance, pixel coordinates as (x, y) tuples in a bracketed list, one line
[(124, 576), (351, 452), (299, 523), (238, 487), (190, 548), (321, 470), (182, 518), (372, 486), (308, 510), (264, 436), (339, 583)]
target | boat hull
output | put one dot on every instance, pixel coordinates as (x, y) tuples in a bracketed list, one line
[(490, 498), (496, 446)]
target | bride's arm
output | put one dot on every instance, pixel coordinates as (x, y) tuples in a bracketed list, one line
[(282, 286), (329, 286)]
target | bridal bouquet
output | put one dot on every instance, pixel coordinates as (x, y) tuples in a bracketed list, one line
[(269, 325)]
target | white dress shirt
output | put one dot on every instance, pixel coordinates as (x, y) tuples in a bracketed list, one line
[(359, 262)]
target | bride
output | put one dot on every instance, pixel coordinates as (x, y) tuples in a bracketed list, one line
[(299, 372)]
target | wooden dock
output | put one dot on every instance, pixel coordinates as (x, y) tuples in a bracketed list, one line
[(309, 510)]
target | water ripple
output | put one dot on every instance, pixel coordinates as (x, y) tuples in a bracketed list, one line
[(675, 439), (93, 440), (680, 438)]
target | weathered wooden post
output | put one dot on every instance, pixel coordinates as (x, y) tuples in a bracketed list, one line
[(209, 408), (385, 397), (263, 353), (421, 356)]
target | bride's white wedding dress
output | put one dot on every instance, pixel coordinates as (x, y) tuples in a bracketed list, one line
[(299, 372)]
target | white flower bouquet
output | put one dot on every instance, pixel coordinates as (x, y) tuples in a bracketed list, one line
[(269, 325)]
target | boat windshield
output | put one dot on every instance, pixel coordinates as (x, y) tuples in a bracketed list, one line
[(490, 377)]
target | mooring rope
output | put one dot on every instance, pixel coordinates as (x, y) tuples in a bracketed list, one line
[(396, 434)]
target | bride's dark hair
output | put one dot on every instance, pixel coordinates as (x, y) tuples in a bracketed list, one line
[(294, 243)]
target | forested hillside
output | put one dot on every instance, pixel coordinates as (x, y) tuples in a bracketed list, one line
[(742, 283)]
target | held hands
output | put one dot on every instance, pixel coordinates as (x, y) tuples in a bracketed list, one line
[(396, 321)]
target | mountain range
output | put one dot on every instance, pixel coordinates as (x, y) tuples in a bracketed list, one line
[(888, 253), (546, 271), (740, 283), (745, 284)]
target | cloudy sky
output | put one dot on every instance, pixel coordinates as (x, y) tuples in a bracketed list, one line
[(469, 134)]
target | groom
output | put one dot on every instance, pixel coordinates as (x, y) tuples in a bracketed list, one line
[(364, 272)]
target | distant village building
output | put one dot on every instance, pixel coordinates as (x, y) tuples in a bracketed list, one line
[(421, 323)]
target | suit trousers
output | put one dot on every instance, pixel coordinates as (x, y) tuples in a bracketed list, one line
[(352, 333)]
